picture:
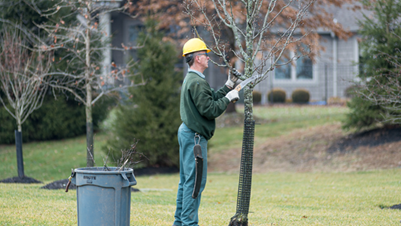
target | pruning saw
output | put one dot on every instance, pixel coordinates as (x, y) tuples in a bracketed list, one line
[(245, 82)]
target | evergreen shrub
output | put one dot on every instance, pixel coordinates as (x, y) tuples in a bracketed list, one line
[(378, 43), (151, 116), (56, 119), (279, 95), (300, 96), (351, 91), (257, 97)]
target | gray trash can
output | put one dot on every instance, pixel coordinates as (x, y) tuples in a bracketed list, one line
[(103, 197)]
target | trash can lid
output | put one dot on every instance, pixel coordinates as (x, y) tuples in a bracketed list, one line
[(103, 170)]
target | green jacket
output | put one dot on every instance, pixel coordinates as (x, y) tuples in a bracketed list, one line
[(200, 104)]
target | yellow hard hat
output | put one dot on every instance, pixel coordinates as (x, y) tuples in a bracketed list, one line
[(194, 45)]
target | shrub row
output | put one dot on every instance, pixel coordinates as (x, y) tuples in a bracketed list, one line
[(55, 119), (300, 96)]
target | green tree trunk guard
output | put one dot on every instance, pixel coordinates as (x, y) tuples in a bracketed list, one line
[(245, 177)]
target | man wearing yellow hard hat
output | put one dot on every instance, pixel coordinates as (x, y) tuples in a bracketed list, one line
[(199, 106)]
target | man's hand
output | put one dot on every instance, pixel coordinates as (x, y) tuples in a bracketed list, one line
[(232, 95), (232, 78)]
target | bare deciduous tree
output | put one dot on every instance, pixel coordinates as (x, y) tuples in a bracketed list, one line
[(84, 44), (22, 80), (263, 31)]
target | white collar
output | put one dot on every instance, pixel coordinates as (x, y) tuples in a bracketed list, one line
[(197, 72)]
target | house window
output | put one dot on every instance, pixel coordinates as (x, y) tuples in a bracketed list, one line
[(301, 69), (133, 33), (304, 68), (283, 72)]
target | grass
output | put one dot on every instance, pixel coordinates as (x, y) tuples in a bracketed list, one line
[(49, 160), (282, 121), (53, 160), (277, 199), (358, 198)]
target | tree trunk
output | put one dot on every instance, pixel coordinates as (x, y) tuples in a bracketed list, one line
[(90, 156), (245, 178), (19, 125)]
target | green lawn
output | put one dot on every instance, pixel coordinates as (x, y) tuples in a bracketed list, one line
[(49, 160), (282, 121), (277, 199), (53, 160), (354, 198)]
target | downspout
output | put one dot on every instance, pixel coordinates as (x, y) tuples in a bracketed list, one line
[(334, 64), (356, 57), (105, 25)]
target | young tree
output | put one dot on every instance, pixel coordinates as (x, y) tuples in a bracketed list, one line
[(378, 99), (65, 119), (151, 115), (22, 80), (266, 30), (85, 44)]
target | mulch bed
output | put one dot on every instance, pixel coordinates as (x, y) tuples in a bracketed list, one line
[(21, 180), (59, 184), (398, 206), (371, 138)]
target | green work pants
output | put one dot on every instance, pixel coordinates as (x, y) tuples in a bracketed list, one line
[(186, 213)]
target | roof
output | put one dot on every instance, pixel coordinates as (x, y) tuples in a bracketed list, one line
[(348, 17)]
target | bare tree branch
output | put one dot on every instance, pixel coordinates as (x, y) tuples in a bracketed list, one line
[(22, 74), (84, 42)]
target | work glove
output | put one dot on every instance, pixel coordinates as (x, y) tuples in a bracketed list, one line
[(232, 78), (232, 95)]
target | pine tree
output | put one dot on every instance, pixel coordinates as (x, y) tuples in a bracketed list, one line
[(379, 38), (151, 115)]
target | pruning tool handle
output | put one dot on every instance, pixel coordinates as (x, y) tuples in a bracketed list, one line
[(238, 88), (198, 167), (69, 180), (68, 184)]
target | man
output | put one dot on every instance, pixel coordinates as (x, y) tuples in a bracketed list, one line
[(199, 106)]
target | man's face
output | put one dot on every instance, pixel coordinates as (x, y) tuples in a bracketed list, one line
[(203, 59)]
